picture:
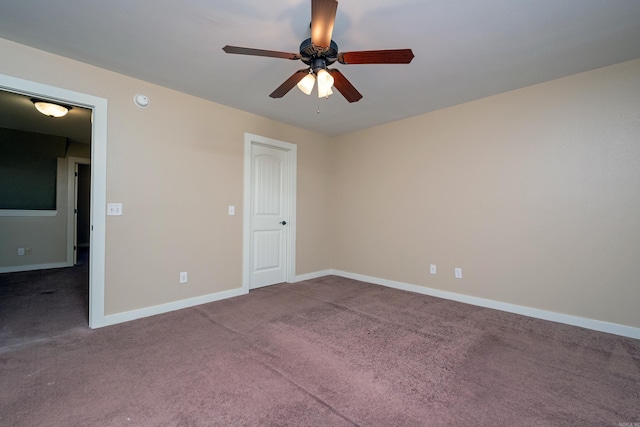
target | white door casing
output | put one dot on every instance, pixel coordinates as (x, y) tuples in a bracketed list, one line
[(269, 212)]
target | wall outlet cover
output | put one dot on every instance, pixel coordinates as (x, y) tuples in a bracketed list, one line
[(114, 209)]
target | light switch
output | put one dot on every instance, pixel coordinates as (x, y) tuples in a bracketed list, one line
[(232, 210), (114, 209)]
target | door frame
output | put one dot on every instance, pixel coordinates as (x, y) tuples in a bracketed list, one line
[(98, 179), (247, 246)]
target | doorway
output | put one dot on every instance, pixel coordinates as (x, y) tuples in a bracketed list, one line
[(83, 206), (269, 212), (98, 107), (79, 205)]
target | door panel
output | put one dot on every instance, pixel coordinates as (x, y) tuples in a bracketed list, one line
[(267, 184), (266, 246)]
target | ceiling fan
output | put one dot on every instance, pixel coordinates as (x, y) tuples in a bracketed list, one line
[(319, 51)]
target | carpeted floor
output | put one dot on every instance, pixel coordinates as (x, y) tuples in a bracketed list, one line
[(41, 304), (325, 352)]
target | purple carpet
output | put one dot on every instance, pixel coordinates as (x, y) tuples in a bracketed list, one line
[(325, 352), (42, 304)]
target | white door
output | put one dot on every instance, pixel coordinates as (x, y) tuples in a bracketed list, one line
[(269, 244), (269, 215)]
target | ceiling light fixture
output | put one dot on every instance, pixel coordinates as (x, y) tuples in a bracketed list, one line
[(50, 109)]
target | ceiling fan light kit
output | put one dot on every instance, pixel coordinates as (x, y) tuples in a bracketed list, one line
[(319, 51)]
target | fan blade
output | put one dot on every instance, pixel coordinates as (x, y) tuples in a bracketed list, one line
[(289, 83), (390, 56), (343, 85), (323, 16), (260, 52)]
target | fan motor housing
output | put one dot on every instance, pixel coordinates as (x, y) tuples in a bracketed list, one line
[(310, 52)]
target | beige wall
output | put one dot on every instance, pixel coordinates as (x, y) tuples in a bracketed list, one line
[(45, 236), (534, 193), (176, 166)]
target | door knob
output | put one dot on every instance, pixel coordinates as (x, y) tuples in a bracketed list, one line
[(283, 222)]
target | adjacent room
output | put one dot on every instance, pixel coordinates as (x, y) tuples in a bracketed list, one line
[(46, 196), (446, 233)]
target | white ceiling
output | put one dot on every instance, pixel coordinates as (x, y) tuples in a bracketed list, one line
[(464, 49)]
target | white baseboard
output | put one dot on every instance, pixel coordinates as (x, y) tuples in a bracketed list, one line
[(596, 325), (32, 267), (127, 316), (310, 276)]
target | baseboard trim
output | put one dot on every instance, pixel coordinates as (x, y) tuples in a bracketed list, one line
[(113, 319), (32, 267), (596, 325), (310, 276)]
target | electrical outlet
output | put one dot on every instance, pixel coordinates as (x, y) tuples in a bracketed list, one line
[(432, 269), (458, 273), (20, 251), (183, 277)]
